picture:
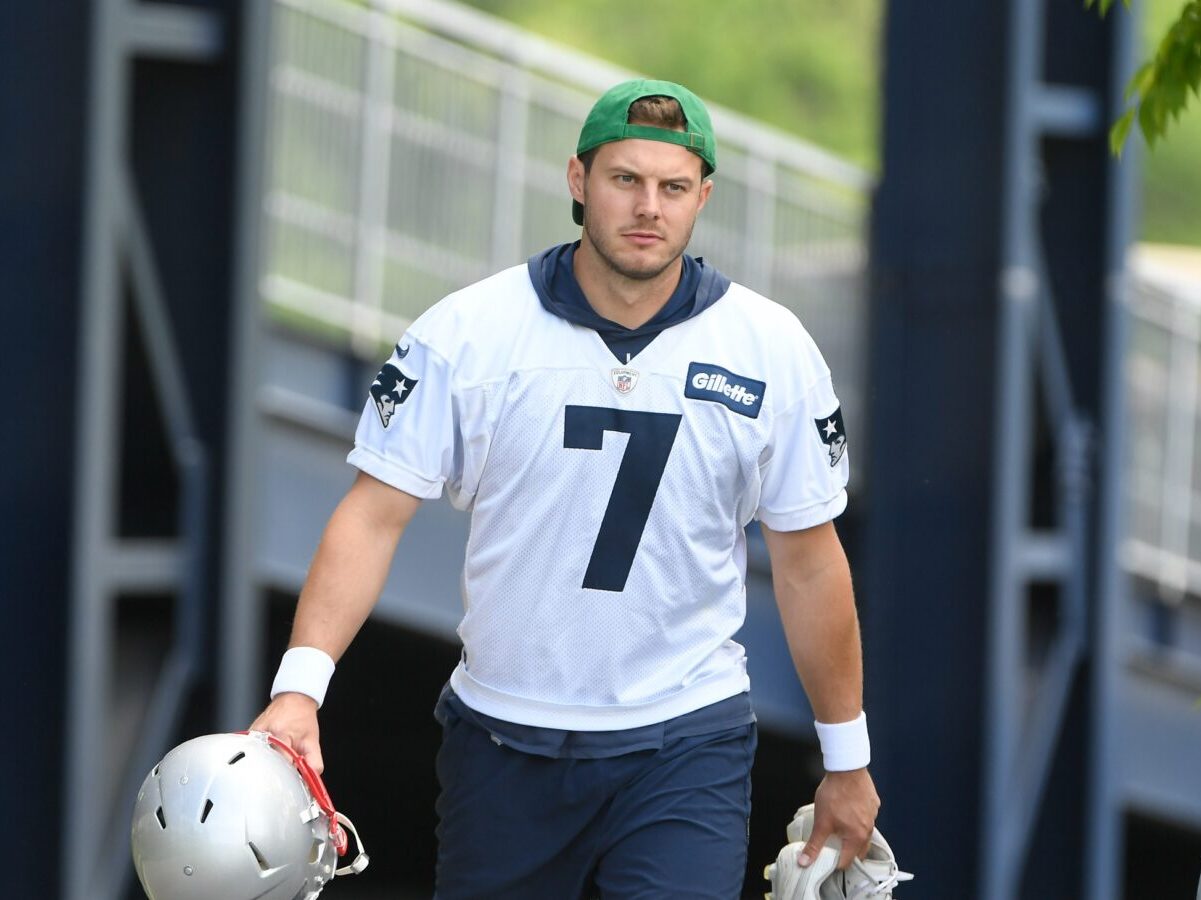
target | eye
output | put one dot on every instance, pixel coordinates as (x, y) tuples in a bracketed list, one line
[(675, 188), (625, 178)]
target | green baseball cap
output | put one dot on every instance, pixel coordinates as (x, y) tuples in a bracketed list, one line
[(609, 121)]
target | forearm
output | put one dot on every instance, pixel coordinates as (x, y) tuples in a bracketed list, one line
[(812, 583), (822, 629), (817, 606), (350, 566)]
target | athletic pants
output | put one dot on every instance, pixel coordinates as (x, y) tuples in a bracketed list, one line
[(671, 822)]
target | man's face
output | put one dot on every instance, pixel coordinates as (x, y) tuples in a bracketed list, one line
[(837, 446), (641, 199), (386, 404)]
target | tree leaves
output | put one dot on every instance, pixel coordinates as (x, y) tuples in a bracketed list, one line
[(1161, 87), (1121, 128), (1105, 4)]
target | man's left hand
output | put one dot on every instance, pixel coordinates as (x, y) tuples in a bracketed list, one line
[(845, 804)]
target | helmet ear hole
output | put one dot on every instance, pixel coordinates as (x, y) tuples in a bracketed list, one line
[(162, 820), (208, 808), (258, 857), (315, 853), (237, 756)]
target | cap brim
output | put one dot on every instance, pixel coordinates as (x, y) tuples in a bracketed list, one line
[(577, 212)]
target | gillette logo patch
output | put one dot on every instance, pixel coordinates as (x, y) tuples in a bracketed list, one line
[(735, 392)]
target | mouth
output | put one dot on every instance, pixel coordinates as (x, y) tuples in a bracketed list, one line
[(642, 238)]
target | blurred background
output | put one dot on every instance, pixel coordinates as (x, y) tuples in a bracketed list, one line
[(216, 217)]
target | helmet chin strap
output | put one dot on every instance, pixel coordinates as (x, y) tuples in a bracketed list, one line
[(321, 797), (362, 860)]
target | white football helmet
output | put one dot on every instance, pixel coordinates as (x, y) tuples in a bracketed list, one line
[(874, 876), (237, 817)]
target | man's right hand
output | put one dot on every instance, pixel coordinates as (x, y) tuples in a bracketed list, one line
[(292, 718)]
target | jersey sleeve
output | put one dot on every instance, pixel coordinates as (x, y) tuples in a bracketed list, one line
[(408, 434), (805, 468)]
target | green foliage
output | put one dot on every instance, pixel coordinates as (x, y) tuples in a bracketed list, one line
[(810, 68), (1171, 177), (1171, 187), (1160, 88), (1104, 5)]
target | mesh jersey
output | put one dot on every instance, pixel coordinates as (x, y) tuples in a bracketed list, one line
[(605, 567)]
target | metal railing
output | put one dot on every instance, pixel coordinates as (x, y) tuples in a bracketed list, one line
[(413, 148), (1163, 368)]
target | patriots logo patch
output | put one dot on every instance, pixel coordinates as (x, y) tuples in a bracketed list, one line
[(391, 388), (832, 433)]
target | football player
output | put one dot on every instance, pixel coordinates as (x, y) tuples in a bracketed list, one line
[(613, 414)]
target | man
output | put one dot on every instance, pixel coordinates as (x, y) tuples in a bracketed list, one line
[(613, 414)]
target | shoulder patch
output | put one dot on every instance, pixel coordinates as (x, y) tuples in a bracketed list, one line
[(390, 388), (737, 393), (833, 435)]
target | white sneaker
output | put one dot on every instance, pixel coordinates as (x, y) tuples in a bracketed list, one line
[(874, 876)]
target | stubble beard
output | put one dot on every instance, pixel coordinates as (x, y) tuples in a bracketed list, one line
[(606, 250)]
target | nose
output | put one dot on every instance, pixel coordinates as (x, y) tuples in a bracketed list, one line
[(647, 205)]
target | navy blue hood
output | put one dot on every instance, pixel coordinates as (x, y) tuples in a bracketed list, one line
[(553, 278)]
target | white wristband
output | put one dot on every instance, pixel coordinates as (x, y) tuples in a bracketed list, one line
[(305, 670), (845, 746)]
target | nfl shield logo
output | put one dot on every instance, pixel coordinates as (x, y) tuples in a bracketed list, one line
[(624, 380)]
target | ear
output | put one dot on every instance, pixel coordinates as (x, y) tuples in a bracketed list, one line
[(576, 176), (706, 190)]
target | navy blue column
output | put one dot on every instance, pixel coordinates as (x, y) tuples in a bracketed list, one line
[(935, 240), (936, 243), (181, 136), (43, 66)]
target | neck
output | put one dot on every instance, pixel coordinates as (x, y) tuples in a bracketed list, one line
[(631, 302)]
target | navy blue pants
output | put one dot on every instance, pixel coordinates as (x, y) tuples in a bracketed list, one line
[(660, 823)]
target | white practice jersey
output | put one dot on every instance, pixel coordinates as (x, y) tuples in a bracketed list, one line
[(605, 569)]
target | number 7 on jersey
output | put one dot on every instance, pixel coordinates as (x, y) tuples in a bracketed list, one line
[(651, 438)]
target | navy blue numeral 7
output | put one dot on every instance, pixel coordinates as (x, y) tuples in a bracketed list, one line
[(651, 438)]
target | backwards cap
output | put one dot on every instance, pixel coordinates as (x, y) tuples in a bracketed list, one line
[(609, 121)]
